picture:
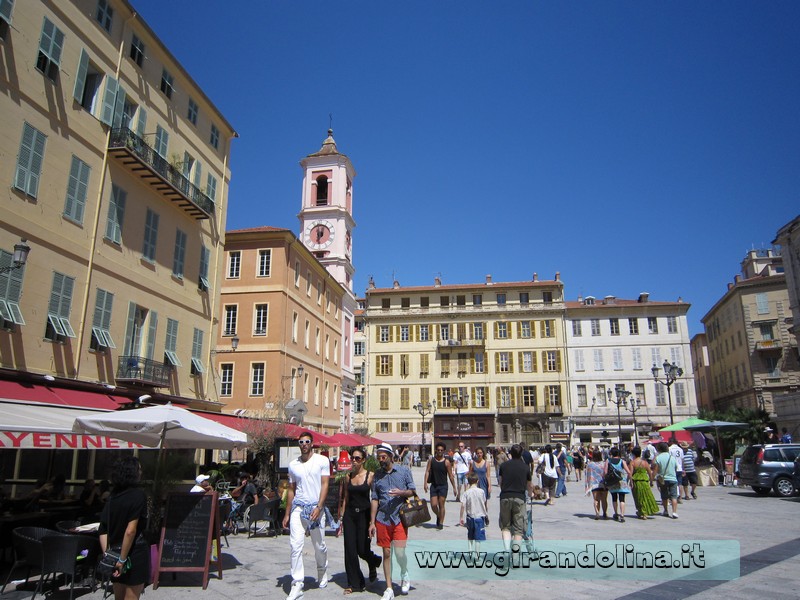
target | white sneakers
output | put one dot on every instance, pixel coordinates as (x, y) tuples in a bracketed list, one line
[(388, 594), (405, 584), (297, 591), (322, 577)]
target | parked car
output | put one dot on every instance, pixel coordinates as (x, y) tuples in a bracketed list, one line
[(766, 467), (796, 475)]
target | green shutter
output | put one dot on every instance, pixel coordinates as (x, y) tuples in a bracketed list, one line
[(151, 334), (77, 188), (109, 100), (119, 108), (141, 123), (80, 77), (130, 331)]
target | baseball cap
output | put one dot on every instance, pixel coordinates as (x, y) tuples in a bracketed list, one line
[(201, 478), (385, 448)]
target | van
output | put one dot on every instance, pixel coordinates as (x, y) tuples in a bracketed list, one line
[(766, 467)]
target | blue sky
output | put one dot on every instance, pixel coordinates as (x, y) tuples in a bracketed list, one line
[(631, 146)]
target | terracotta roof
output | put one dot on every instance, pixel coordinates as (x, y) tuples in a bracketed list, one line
[(619, 302), (467, 286), (263, 228)]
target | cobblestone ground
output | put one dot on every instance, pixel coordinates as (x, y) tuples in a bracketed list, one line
[(766, 528)]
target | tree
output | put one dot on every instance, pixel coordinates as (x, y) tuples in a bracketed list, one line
[(262, 432)]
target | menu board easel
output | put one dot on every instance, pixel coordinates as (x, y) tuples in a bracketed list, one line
[(191, 522)]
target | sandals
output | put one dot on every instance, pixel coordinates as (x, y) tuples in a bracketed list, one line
[(347, 591)]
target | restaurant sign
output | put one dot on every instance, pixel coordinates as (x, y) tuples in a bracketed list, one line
[(61, 441)]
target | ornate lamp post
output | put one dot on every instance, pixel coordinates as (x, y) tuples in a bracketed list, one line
[(459, 402), (424, 410), (671, 373), (620, 400), (633, 407)]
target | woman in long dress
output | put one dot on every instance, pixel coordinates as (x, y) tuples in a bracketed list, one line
[(480, 466), (642, 480)]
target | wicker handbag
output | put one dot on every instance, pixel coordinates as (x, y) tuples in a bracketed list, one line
[(414, 512)]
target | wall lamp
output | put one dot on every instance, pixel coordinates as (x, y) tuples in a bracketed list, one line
[(19, 258)]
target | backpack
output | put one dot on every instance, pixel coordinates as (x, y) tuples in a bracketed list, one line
[(613, 476)]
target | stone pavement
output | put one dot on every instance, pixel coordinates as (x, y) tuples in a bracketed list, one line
[(766, 528)]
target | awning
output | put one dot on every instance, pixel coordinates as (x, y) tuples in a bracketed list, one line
[(402, 438), (34, 425), (16, 391), (247, 425)]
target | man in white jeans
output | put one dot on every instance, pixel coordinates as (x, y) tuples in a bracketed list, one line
[(305, 512)]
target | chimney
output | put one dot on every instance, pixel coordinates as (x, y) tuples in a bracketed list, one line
[(371, 283), (730, 286), (536, 277), (580, 298), (489, 279), (396, 284), (437, 282), (644, 297), (558, 275), (609, 300), (737, 279)]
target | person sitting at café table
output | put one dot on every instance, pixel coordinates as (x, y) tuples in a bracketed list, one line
[(202, 486)]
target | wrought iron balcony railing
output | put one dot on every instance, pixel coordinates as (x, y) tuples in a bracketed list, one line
[(145, 162), (137, 369)]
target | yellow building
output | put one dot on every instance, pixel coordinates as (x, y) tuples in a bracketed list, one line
[(281, 311), (489, 357), (116, 170)]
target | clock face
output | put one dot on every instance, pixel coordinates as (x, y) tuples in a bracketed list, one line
[(319, 235)]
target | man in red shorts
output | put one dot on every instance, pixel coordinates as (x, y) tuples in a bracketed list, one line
[(390, 488)]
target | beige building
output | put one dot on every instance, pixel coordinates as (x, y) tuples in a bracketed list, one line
[(116, 171), (701, 365), (489, 357), (752, 353), (359, 422), (283, 309)]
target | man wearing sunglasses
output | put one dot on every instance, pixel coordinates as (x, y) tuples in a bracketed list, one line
[(390, 488), (305, 513)]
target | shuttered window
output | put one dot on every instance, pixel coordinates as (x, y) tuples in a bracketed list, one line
[(58, 325), (51, 42), (29, 160), (179, 256), (197, 352), (150, 236), (171, 344), (10, 291), (116, 214), (101, 323), (77, 188)]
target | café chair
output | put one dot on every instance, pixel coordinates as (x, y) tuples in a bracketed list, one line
[(265, 512), (27, 543), (70, 555)]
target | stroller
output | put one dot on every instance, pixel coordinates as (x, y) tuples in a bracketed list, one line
[(528, 537)]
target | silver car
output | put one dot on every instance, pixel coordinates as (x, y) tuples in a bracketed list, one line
[(769, 467)]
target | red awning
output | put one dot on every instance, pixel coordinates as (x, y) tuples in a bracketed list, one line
[(13, 390)]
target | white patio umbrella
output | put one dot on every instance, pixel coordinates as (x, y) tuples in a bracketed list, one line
[(161, 427)]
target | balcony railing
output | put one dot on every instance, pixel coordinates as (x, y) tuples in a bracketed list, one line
[(145, 162), (461, 343), (136, 369), (768, 345)]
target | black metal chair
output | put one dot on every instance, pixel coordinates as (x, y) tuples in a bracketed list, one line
[(265, 512), (27, 542), (224, 515), (71, 555)]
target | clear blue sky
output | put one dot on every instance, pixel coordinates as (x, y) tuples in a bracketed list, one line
[(633, 145)]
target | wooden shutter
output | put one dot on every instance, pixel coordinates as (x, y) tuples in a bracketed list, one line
[(534, 366), (130, 341), (558, 360), (80, 77), (141, 123), (510, 362), (496, 362), (511, 396), (151, 334), (109, 100), (119, 108)]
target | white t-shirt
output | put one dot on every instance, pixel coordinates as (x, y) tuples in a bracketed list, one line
[(462, 461), (550, 465), (474, 502), (677, 452), (307, 477)]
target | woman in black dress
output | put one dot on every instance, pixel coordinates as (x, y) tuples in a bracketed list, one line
[(354, 518), (122, 522)]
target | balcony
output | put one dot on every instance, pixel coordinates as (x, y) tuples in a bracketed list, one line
[(142, 371), (144, 162), (461, 343), (766, 345)]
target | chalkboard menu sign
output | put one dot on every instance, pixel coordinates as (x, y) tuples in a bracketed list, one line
[(191, 522)]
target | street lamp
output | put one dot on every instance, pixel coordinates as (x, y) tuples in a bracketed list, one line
[(620, 400), (234, 346), (460, 402), (671, 373), (19, 258), (424, 410)]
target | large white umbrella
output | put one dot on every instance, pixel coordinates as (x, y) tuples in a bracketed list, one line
[(161, 427)]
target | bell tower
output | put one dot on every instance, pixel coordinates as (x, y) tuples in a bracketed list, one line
[(326, 214)]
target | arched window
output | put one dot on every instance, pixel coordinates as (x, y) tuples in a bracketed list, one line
[(322, 190)]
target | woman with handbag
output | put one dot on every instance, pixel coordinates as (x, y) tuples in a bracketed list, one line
[(354, 523), (550, 474), (617, 482), (122, 523), (480, 466)]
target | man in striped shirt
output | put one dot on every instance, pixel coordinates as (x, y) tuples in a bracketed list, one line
[(689, 471)]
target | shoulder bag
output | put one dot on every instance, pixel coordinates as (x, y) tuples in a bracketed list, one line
[(414, 511), (660, 475)]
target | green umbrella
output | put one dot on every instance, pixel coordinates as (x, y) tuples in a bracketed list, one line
[(681, 425)]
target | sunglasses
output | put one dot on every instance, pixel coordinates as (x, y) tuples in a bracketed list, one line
[(358, 458), (303, 442)]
